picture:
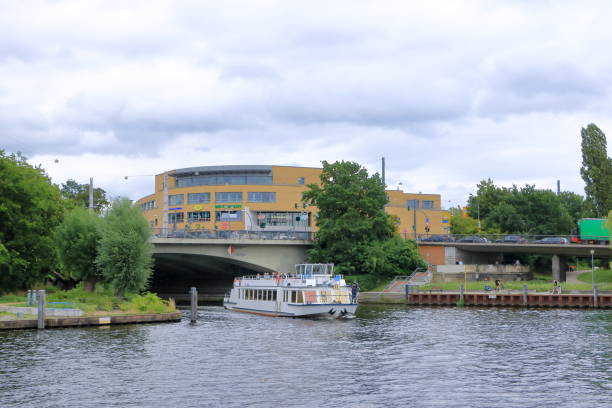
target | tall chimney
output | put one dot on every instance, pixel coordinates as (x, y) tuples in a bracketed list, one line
[(383, 173)]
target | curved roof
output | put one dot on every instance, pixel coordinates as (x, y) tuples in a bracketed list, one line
[(241, 169)]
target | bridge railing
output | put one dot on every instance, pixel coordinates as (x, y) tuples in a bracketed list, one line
[(507, 239), (232, 234)]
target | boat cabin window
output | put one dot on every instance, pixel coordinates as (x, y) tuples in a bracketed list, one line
[(297, 296), (258, 294)]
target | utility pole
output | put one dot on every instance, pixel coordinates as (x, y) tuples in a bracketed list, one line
[(383, 173), (165, 210), (478, 207), (414, 227), (91, 195)]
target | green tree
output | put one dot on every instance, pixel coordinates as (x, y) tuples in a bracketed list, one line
[(125, 253), (77, 239), (30, 209), (78, 194), (461, 225), (392, 257), (541, 212), (487, 197), (525, 210), (574, 204), (596, 170), (355, 232)]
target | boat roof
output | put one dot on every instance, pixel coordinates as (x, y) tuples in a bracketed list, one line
[(315, 268)]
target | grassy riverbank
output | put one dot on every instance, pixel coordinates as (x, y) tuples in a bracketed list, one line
[(535, 285), (541, 283), (102, 301), (601, 276)]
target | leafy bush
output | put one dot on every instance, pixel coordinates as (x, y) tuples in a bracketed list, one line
[(12, 298), (125, 253), (148, 302)]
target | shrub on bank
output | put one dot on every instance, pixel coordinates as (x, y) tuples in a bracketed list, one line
[(101, 300), (147, 302)]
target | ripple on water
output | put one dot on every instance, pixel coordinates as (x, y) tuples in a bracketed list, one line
[(387, 356)]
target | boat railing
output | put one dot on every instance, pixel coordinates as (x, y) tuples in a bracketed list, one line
[(292, 276)]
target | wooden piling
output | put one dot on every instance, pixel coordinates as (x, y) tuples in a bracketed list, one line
[(194, 304), (41, 309)]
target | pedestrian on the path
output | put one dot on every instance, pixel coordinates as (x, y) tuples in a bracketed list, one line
[(556, 288), (499, 284), (354, 292)]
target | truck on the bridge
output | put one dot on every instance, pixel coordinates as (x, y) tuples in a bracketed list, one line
[(592, 231)]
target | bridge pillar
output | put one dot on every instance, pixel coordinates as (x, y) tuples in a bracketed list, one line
[(559, 268)]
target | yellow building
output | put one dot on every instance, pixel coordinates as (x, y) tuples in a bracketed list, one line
[(264, 198)]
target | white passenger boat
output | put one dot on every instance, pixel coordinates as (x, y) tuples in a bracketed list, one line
[(313, 290)]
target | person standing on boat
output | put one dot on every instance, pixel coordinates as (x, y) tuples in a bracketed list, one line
[(354, 292)]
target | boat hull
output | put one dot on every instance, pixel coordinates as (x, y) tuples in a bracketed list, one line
[(293, 310)]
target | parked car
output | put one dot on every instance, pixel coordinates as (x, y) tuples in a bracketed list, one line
[(439, 238), (473, 239), (512, 239), (553, 240)]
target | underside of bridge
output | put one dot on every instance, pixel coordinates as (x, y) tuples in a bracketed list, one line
[(174, 274)]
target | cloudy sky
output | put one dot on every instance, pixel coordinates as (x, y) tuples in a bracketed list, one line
[(449, 92)]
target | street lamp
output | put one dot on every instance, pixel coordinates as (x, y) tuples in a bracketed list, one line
[(592, 270)]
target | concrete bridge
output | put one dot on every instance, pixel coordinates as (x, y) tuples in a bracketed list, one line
[(211, 264), (491, 253)]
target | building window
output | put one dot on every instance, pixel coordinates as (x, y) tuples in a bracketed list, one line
[(282, 219), (428, 204), (220, 180), (176, 218), (413, 204), (301, 180), (198, 216), (149, 205), (198, 198), (256, 197), (228, 216), (175, 199), (228, 197)]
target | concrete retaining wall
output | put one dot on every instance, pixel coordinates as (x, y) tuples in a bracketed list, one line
[(49, 311), (92, 321), (457, 273)]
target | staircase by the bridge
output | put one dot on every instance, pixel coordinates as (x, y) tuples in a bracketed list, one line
[(416, 278)]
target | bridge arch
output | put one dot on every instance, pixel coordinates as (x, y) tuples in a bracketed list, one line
[(211, 264)]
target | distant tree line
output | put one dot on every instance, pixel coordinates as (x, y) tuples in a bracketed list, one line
[(527, 210), (46, 233)]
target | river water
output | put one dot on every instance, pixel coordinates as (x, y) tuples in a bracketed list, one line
[(391, 356)]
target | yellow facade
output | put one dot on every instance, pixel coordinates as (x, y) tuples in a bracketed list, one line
[(428, 213), (282, 208)]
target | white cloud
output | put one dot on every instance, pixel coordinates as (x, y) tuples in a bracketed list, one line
[(450, 92)]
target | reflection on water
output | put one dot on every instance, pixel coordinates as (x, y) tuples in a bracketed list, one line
[(387, 356)]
